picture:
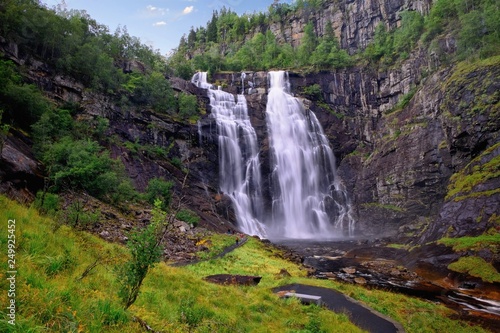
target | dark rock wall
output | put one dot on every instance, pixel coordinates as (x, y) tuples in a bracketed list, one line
[(396, 160)]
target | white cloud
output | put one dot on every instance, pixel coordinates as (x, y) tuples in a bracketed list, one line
[(152, 11), (159, 24), (187, 10)]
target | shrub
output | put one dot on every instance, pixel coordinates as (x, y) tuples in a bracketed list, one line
[(159, 189), (47, 203), (144, 246), (188, 216), (188, 105)]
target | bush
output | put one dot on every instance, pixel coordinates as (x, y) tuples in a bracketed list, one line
[(188, 216), (159, 189), (188, 105), (314, 92), (85, 165), (47, 203)]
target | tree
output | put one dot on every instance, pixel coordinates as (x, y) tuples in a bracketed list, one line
[(85, 165), (188, 105), (155, 91), (308, 44), (212, 28), (145, 249), (159, 189)]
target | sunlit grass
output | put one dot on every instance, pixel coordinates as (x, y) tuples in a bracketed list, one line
[(52, 295)]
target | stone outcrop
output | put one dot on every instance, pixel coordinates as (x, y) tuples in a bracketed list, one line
[(353, 21)]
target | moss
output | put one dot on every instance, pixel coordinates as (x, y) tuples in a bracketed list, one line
[(476, 266), (473, 78), (393, 208), (403, 102), (478, 171), (472, 243)]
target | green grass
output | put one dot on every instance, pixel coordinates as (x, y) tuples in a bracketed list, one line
[(216, 243), (52, 296)]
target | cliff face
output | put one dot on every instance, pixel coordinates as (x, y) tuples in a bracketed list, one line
[(354, 21), (399, 136)]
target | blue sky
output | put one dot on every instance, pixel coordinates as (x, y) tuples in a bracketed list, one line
[(159, 23)]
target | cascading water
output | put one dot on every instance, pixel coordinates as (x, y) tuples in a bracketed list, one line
[(308, 200), (306, 191), (240, 177)]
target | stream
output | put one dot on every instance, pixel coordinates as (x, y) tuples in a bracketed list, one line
[(372, 264)]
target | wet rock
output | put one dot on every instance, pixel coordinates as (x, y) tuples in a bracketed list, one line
[(228, 279), (360, 280), (283, 273), (349, 270)]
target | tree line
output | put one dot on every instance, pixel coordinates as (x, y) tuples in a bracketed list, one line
[(234, 43), (72, 43)]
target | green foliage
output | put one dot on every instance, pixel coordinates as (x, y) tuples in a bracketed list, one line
[(227, 49), (188, 216), (403, 102), (313, 92), (144, 246), (52, 125), (192, 314), (85, 165), (159, 189), (4, 131), (473, 243), (475, 24), (188, 105), (388, 207), (308, 45), (63, 303), (57, 264), (22, 103), (109, 314), (155, 91), (78, 217), (47, 203), (75, 44)]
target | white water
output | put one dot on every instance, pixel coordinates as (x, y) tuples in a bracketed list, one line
[(305, 189), (305, 185), (239, 169)]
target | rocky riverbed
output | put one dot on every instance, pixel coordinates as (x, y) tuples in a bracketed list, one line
[(374, 264)]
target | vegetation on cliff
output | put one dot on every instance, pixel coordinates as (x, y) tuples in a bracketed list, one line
[(74, 149), (72, 43), (247, 42)]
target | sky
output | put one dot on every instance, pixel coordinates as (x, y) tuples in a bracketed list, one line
[(158, 23)]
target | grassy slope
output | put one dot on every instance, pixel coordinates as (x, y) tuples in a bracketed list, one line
[(51, 298)]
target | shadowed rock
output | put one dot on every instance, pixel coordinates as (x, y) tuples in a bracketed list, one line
[(239, 280)]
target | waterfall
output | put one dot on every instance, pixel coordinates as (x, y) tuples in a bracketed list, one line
[(243, 76), (305, 189), (308, 199), (239, 168), (200, 80)]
